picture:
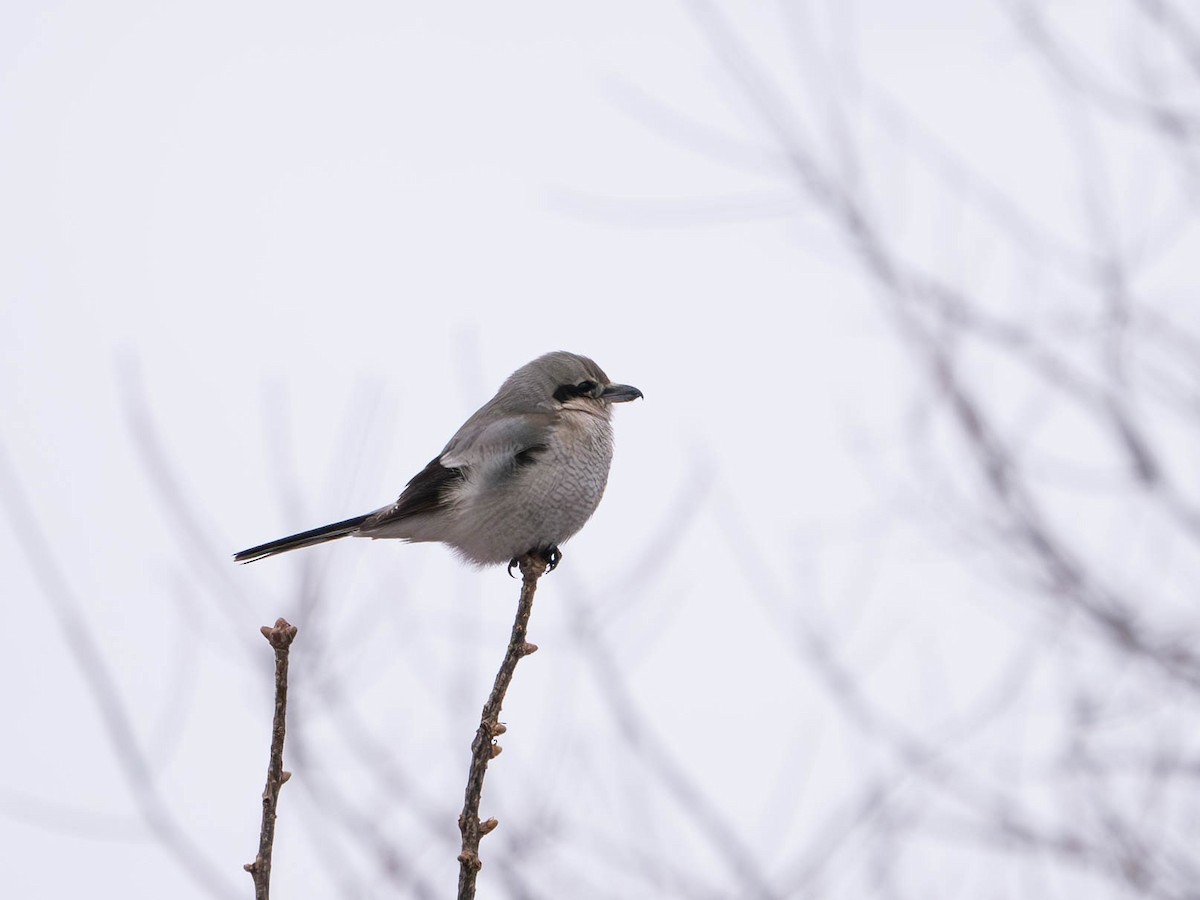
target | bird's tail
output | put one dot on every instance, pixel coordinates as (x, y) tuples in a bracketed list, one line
[(303, 539)]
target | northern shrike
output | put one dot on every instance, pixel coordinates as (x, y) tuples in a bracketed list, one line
[(522, 475)]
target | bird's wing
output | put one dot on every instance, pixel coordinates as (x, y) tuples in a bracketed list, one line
[(498, 442), (486, 448)]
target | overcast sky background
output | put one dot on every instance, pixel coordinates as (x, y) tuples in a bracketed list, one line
[(307, 241)]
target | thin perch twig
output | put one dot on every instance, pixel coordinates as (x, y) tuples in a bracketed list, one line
[(280, 638), (483, 748)]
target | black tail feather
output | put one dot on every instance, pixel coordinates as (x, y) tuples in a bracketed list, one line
[(303, 539)]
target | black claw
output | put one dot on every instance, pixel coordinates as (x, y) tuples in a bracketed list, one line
[(512, 564)]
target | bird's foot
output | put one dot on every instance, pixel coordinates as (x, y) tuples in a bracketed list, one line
[(551, 556)]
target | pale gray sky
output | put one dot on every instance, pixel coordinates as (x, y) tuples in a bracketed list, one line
[(314, 239)]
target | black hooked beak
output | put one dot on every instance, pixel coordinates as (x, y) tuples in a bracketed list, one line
[(620, 393)]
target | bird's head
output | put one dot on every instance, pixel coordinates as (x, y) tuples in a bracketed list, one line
[(564, 380)]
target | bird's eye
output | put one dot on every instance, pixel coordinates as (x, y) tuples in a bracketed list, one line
[(566, 391)]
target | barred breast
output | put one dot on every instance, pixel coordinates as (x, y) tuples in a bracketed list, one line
[(543, 500)]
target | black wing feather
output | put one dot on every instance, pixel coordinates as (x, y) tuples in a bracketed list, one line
[(529, 455), (424, 493)]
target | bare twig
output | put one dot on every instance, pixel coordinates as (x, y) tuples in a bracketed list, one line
[(280, 638), (484, 748)]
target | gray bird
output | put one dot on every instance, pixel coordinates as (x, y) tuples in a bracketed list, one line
[(522, 475)]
